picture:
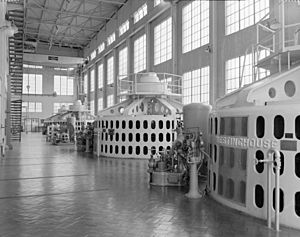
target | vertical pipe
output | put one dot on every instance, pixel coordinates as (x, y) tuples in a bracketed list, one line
[(289, 60), (277, 196), (269, 194), (279, 62), (193, 188)]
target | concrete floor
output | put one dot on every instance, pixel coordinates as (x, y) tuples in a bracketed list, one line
[(54, 191)]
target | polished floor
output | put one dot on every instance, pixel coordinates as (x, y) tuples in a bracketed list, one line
[(54, 191)]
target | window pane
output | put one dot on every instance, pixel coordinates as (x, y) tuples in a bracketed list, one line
[(140, 54), (195, 25), (196, 86), (242, 14), (123, 63), (100, 76), (92, 76), (163, 41), (110, 70)]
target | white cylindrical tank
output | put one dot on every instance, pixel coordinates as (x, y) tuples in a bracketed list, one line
[(195, 118)]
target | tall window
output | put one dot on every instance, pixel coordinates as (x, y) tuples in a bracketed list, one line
[(140, 13), (110, 101), (100, 104), (124, 27), (242, 65), (196, 86), (32, 107), (92, 106), (163, 41), (57, 106), (32, 84), (110, 70), (63, 85), (195, 25), (140, 54), (100, 76), (85, 83), (101, 47), (92, 73), (111, 39), (123, 63), (241, 14)]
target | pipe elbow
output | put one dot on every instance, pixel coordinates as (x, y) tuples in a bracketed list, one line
[(275, 152)]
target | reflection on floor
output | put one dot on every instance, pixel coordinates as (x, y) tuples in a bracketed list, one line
[(54, 191)]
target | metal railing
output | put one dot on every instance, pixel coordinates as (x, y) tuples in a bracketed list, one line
[(288, 35), (170, 84)]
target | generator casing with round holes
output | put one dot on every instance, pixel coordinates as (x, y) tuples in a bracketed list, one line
[(142, 124), (244, 126)]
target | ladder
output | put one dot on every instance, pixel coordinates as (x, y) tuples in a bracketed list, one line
[(16, 46)]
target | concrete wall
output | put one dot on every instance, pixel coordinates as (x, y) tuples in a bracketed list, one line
[(3, 72), (223, 47)]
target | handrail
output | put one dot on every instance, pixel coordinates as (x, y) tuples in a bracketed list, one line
[(270, 47), (266, 28)]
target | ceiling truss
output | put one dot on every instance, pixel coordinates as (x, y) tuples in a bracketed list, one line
[(67, 23)]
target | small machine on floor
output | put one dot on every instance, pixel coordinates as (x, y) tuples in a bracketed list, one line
[(170, 168), (84, 139)]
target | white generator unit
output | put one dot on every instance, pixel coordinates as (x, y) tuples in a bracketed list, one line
[(144, 122), (247, 129)]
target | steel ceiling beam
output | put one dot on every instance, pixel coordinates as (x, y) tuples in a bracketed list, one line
[(46, 42), (55, 26), (47, 22), (39, 27), (111, 2), (53, 35), (69, 25), (90, 12), (34, 5)]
